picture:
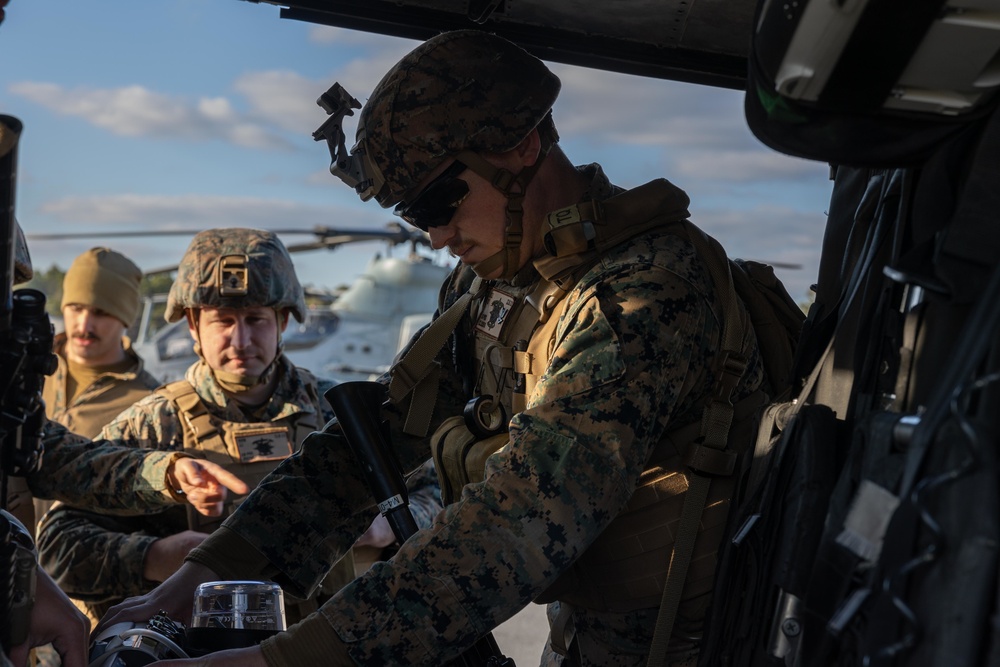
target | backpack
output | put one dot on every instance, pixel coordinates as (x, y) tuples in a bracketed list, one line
[(777, 323)]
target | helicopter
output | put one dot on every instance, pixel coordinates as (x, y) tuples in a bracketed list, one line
[(353, 334)]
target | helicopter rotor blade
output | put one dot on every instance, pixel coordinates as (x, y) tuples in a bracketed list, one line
[(328, 238)]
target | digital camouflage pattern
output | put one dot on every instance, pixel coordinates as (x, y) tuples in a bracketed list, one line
[(99, 559), (235, 268), (633, 357), (464, 89), (98, 473), (102, 400), (99, 403)]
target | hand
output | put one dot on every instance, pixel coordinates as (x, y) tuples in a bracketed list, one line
[(54, 619), (240, 657), (175, 596), (166, 555), (378, 535), (204, 484)]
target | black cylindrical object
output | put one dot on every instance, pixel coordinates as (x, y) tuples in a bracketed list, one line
[(356, 405)]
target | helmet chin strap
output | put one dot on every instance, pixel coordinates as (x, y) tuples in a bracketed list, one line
[(513, 187)]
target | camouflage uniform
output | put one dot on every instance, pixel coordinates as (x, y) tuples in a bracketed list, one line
[(100, 402), (633, 359), (76, 469)]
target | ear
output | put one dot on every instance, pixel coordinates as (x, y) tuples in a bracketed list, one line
[(283, 319), (192, 319), (529, 149)]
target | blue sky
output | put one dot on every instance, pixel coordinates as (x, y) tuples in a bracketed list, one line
[(190, 114)]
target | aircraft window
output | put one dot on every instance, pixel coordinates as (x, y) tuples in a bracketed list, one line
[(318, 325), (174, 341)]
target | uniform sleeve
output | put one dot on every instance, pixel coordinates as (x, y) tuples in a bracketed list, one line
[(96, 557), (92, 557), (100, 473), (629, 354), (424, 495)]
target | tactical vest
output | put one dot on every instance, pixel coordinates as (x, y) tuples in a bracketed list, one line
[(248, 450), (625, 568)]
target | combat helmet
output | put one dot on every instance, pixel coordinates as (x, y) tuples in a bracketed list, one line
[(459, 94), (235, 268)]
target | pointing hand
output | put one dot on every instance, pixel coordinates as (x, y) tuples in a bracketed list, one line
[(204, 484)]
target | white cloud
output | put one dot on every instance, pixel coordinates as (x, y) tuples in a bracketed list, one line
[(135, 111), (617, 108), (196, 211), (746, 166)]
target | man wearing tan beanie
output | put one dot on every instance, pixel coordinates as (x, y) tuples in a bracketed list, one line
[(99, 374)]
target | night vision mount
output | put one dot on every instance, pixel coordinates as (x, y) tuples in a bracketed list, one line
[(351, 167)]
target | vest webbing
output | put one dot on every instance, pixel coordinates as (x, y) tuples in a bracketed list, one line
[(706, 443), (711, 449), (417, 372), (205, 434)]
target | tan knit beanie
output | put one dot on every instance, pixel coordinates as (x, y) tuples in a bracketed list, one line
[(104, 279)]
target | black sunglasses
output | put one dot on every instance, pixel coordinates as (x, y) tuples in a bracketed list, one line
[(436, 204)]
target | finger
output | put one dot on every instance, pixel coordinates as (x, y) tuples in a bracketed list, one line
[(226, 478), (209, 509), (123, 611)]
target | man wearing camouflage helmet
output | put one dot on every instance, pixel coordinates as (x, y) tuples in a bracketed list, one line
[(580, 341), (243, 405)]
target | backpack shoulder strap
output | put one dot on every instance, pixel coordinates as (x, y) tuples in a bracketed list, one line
[(708, 456), (417, 374)]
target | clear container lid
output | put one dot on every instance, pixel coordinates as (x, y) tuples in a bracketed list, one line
[(243, 605)]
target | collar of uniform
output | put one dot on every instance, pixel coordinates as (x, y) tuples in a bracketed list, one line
[(59, 349), (289, 397)]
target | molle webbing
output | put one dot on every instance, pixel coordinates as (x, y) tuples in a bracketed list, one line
[(512, 354), (416, 374), (214, 439), (626, 568)]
